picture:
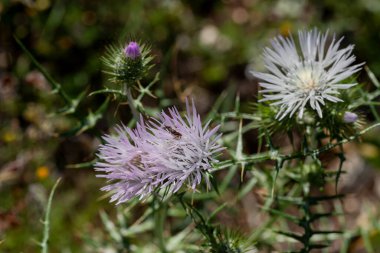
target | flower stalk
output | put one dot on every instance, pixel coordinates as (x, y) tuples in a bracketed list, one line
[(131, 102)]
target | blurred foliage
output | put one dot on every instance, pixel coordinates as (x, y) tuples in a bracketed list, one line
[(203, 48)]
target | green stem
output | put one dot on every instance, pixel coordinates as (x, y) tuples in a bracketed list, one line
[(306, 221), (131, 102), (160, 222), (306, 224), (45, 239), (55, 85), (276, 156)]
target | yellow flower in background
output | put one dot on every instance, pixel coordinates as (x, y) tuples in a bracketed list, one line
[(9, 137), (42, 172), (369, 151), (285, 28)]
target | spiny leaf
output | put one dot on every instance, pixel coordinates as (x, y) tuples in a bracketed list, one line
[(247, 187), (214, 183), (73, 104), (89, 121), (372, 77), (291, 235), (318, 246), (239, 149), (314, 200), (292, 200), (55, 85), (146, 90), (106, 91), (323, 215), (216, 211), (282, 214), (325, 232), (227, 178), (110, 226), (82, 165)]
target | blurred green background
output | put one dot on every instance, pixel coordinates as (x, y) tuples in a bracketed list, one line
[(201, 48)]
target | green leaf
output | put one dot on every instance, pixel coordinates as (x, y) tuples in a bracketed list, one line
[(282, 214), (239, 150), (89, 121), (372, 77)]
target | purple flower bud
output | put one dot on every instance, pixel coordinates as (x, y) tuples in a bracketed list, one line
[(350, 117), (132, 50)]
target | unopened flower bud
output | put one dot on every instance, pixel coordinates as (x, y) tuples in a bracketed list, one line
[(128, 64), (350, 117), (132, 50)]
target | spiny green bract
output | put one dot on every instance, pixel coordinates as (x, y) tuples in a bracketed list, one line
[(331, 125), (228, 241)]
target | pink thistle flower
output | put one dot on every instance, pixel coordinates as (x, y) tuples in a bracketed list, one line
[(164, 153), (184, 149), (123, 160)]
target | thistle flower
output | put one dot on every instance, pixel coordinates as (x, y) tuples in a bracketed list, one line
[(163, 153), (305, 78), (127, 64), (123, 159), (350, 117), (184, 149), (132, 50)]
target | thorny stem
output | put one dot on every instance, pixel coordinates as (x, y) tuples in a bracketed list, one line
[(307, 199), (306, 221), (309, 217), (131, 103), (306, 224), (201, 224), (342, 158), (276, 156)]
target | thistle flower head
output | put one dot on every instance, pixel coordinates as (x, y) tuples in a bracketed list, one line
[(127, 64), (305, 77), (132, 50), (184, 147), (164, 153), (123, 163), (350, 117)]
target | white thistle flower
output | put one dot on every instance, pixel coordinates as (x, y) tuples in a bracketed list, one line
[(308, 76)]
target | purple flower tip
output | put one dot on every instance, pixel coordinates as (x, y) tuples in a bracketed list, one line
[(132, 50), (350, 117)]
